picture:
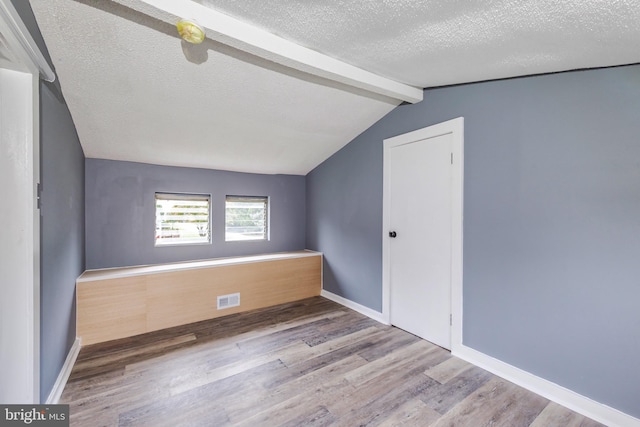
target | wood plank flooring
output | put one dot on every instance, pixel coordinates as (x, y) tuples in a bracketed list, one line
[(308, 363)]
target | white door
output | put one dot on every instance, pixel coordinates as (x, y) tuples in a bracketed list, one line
[(419, 180)]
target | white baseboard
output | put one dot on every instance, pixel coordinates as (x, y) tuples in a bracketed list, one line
[(61, 382), (545, 388), (563, 396), (375, 315)]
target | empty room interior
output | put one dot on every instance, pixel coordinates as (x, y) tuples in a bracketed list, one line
[(419, 213)]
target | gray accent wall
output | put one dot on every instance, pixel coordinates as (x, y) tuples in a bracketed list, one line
[(62, 233), (120, 212), (62, 221), (551, 222), (344, 218)]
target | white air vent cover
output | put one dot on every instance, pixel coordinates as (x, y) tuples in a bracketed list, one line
[(227, 301)]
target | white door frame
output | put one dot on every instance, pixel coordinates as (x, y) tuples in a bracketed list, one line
[(20, 68), (455, 127)]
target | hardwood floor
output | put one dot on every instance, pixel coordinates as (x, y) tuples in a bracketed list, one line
[(308, 363)]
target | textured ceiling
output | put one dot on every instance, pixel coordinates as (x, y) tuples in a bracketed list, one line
[(137, 93), (429, 43)]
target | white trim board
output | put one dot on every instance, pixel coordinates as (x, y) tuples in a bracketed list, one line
[(545, 388), (375, 315), (63, 376), (21, 43)]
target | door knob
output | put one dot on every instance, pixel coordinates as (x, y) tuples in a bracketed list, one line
[(392, 234)]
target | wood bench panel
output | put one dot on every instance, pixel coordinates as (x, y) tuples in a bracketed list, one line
[(119, 307), (111, 309)]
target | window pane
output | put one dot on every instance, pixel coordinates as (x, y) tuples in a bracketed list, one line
[(246, 218), (182, 219)]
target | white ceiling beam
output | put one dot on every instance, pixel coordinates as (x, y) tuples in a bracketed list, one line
[(248, 38)]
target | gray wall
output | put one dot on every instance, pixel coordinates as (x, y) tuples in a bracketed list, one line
[(62, 221), (551, 222), (62, 233), (344, 218), (120, 211)]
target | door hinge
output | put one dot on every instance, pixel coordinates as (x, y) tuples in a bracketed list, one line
[(451, 320), (39, 196), (451, 158)]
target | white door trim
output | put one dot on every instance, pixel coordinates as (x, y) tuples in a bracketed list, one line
[(455, 127), (20, 147), (21, 43)]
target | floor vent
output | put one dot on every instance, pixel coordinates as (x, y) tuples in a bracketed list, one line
[(228, 301)]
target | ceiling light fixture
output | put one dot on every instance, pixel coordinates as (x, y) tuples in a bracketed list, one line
[(190, 31)]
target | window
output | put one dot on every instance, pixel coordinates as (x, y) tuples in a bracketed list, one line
[(182, 219), (246, 218)]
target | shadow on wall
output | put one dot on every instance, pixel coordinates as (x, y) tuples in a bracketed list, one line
[(329, 277)]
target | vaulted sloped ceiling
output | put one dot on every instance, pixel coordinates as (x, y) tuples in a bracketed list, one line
[(138, 93)]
